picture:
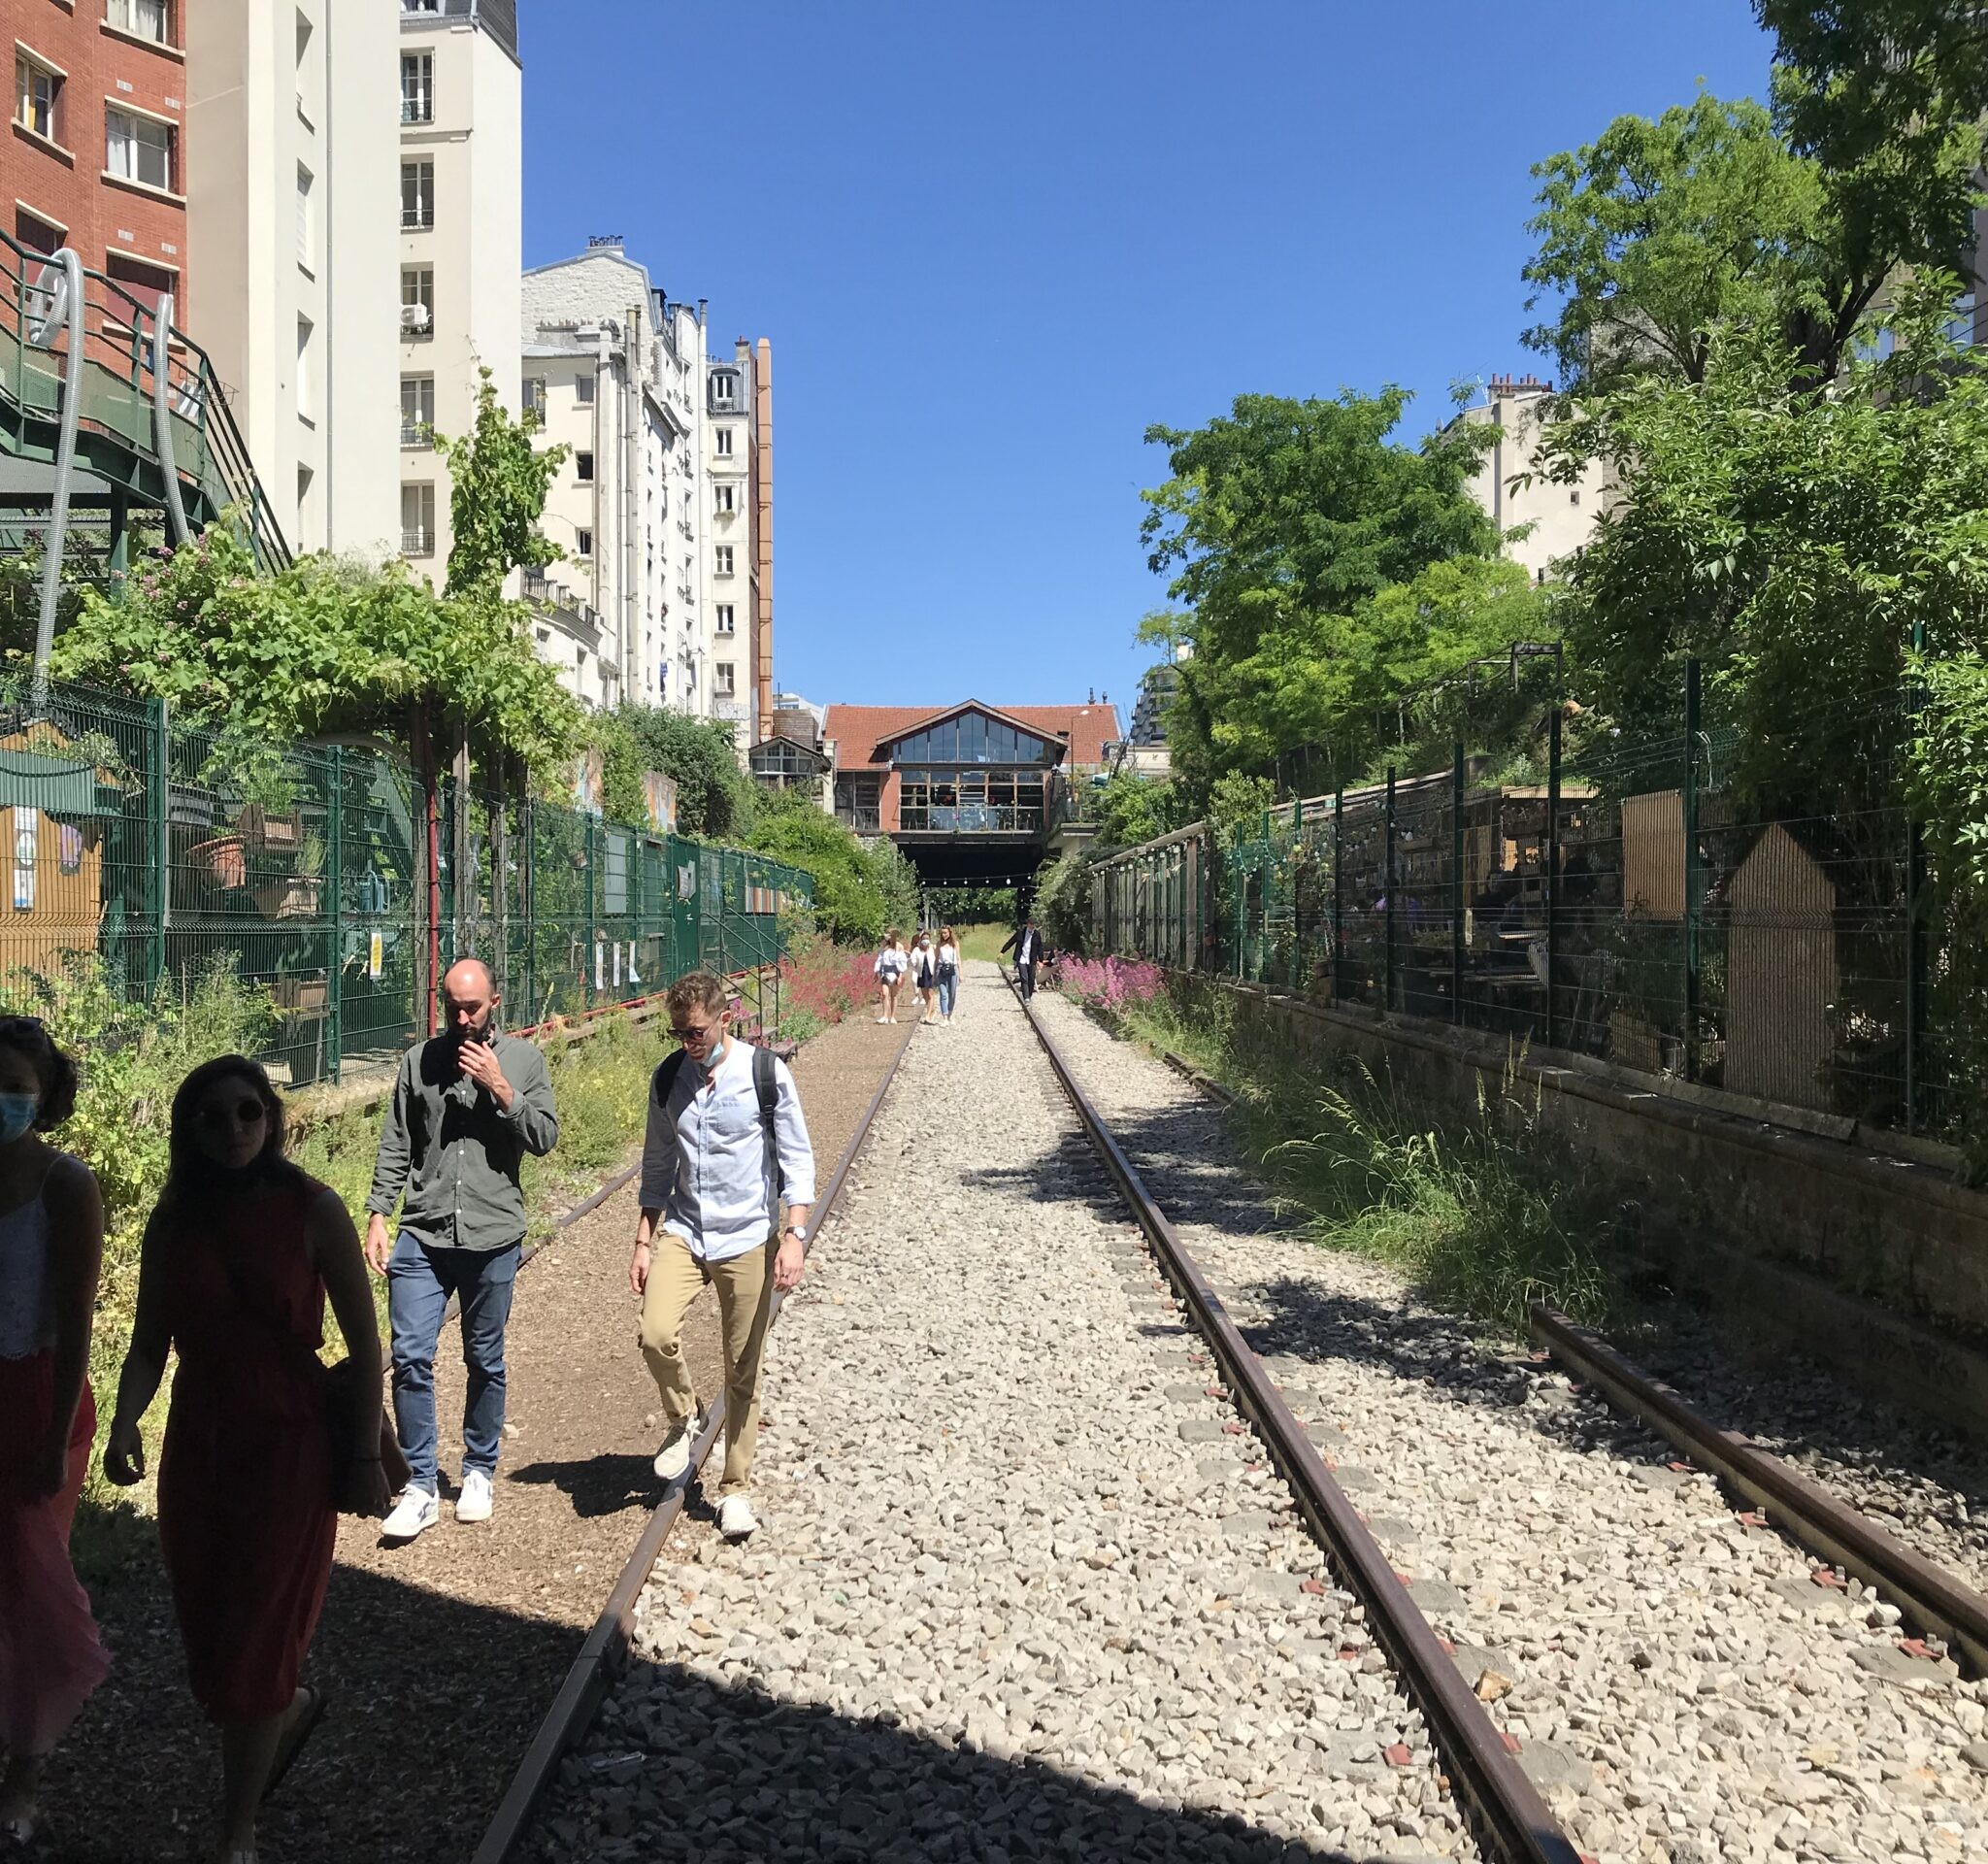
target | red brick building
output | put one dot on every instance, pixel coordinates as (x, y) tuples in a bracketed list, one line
[(95, 156)]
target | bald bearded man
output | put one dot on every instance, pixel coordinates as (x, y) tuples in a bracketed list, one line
[(468, 1105)]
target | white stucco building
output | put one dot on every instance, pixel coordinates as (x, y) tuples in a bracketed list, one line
[(290, 197), (609, 367), (731, 552), (1561, 516), (461, 210)]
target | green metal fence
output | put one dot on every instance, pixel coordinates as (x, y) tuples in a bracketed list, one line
[(1656, 904), (141, 854)]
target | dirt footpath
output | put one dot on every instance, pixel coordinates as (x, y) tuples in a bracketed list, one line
[(439, 1657)]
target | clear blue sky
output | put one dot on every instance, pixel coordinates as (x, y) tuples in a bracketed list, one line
[(991, 244)]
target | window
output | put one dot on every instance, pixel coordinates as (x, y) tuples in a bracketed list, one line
[(858, 802), (416, 410), (139, 149), (727, 619), (417, 86), (417, 300), (143, 18), (722, 497), (584, 543), (307, 397), (724, 553), (148, 283), (722, 438), (583, 468), (533, 400), (724, 389), (421, 6), (307, 229), (416, 196), (418, 520), (36, 89), (583, 390), (727, 681), (1574, 497), (36, 234)]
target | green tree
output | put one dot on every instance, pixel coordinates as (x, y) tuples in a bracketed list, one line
[(1130, 809), (1279, 521), (1657, 229), (715, 797), (324, 646), (497, 495), (858, 890)]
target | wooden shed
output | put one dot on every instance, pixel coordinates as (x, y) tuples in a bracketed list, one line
[(1781, 972)]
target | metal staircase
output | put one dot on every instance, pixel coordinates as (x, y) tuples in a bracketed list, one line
[(152, 429)]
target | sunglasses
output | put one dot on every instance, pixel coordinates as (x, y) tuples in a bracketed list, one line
[(243, 1113), (704, 1034)]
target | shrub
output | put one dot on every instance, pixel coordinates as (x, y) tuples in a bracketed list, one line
[(1112, 985)]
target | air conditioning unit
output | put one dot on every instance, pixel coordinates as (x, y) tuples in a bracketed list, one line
[(413, 317)]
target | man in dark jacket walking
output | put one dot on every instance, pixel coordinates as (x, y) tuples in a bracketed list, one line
[(1026, 942), (467, 1107)]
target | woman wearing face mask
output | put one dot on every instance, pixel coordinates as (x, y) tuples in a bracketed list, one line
[(949, 973), (51, 1245), (891, 964), (237, 1259), (925, 974)]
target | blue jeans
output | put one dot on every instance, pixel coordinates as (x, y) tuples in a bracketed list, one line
[(419, 1281), (949, 992)]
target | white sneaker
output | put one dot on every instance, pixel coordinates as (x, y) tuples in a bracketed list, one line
[(474, 1503), (673, 1458), (416, 1509), (736, 1519)]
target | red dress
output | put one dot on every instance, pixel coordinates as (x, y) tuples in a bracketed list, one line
[(245, 1516)]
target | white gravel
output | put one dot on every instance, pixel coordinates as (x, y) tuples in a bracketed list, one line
[(1680, 1685), (1023, 1588)]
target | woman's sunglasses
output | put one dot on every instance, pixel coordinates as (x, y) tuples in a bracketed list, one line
[(243, 1113)]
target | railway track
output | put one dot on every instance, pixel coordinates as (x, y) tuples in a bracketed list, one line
[(606, 1647), (1480, 1761)]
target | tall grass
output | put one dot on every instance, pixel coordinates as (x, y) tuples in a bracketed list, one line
[(1484, 1213)]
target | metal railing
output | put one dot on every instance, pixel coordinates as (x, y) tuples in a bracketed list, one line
[(144, 855), (117, 437)]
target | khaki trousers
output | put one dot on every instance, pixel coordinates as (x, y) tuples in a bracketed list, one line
[(745, 1286)]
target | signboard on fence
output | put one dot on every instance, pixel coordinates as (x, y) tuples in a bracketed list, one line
[(660, 792)]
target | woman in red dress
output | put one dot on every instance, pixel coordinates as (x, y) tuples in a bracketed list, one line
[(52, 1246), (237, 1259)]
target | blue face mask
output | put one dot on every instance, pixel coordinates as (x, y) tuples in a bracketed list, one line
[(18, 1112)]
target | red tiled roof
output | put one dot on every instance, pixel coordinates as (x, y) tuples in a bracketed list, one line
[(859, 731)]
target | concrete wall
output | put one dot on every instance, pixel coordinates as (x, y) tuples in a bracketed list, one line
[(273, 97), (1873, 1264), (1561, 516)]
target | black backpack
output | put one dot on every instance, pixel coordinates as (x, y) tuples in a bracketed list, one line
[(765, 1083)]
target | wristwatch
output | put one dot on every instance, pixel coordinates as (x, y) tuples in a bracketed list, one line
[(797, 1231)]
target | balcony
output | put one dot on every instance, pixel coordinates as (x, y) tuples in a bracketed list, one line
[(417, 543)]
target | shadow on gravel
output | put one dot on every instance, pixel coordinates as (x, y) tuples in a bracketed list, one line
[(678, 1767), (605, 1485), (431, 1702)]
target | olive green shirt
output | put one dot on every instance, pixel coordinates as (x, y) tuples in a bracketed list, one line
[(455, 1152)]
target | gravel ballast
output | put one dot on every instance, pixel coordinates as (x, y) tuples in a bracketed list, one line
[(1681, 1683), (1020, 1590)]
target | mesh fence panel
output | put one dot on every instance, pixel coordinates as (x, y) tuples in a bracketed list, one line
[(144, 853)]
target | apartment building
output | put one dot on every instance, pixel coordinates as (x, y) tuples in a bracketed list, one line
[(97, 144), (738, 473), (291, 179), (1559, 517), (609, 367), (681, 370), (461, 241)]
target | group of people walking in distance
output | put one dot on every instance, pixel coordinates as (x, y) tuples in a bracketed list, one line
[(932, 969), (265, 1445)]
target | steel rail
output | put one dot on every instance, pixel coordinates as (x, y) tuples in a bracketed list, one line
[(604, 1650), (1490, 1781), (1825, 1524)]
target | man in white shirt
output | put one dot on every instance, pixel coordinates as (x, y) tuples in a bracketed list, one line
[(726, 1142)]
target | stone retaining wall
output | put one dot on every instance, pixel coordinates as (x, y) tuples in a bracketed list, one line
[(1875, 1264)]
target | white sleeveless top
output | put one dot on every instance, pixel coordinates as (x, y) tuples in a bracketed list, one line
[(27, 1312)]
